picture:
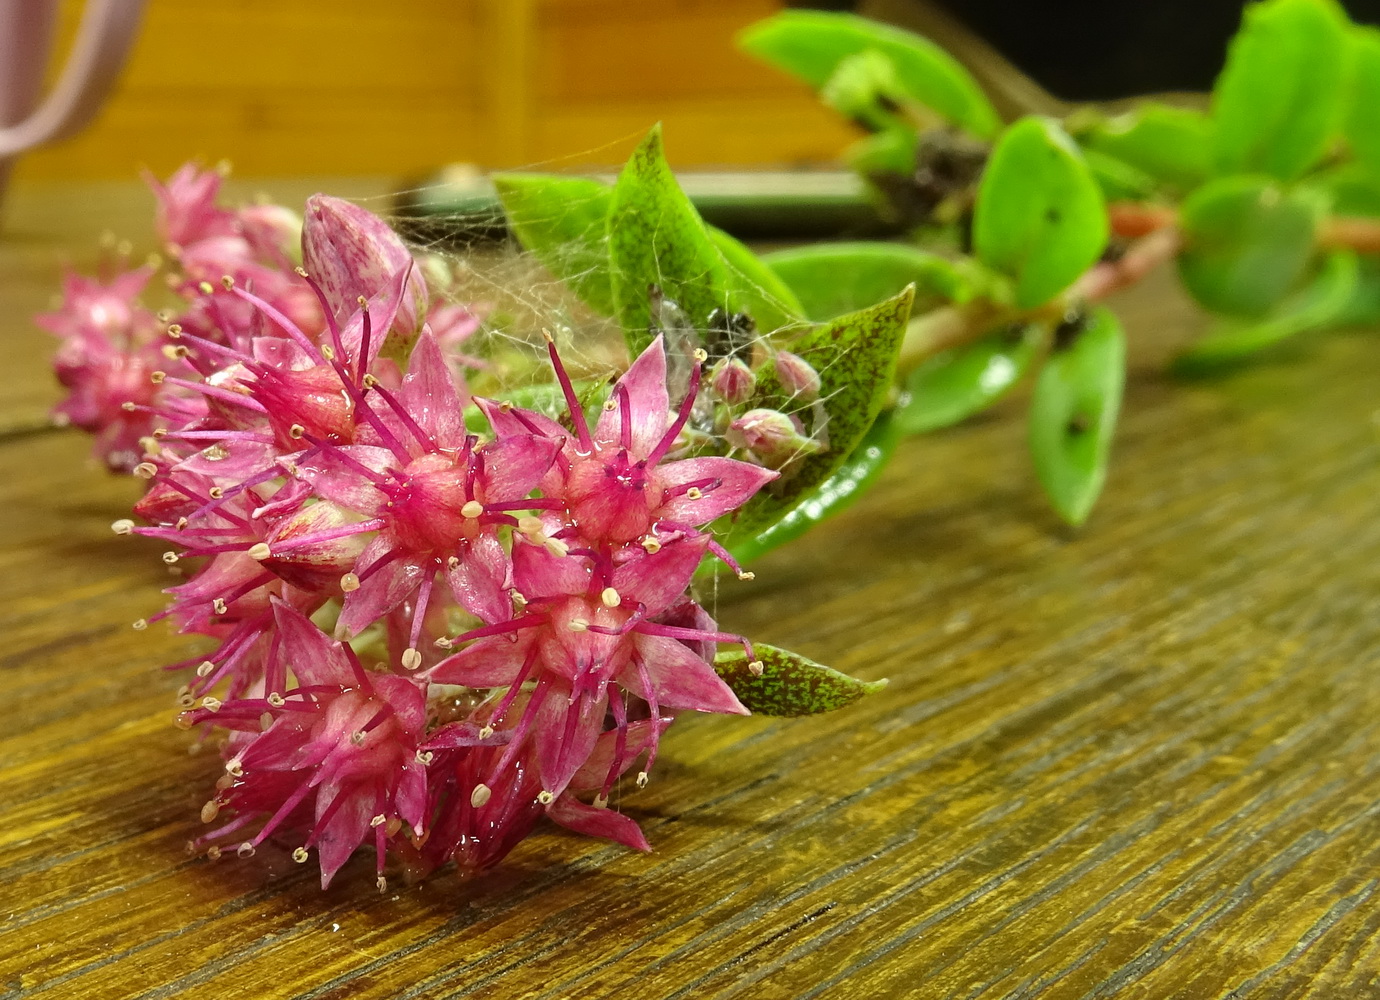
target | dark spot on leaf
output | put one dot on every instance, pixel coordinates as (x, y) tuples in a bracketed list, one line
[(1052, 215), (1078, 425)]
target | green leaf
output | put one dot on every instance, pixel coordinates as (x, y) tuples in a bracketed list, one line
[(1039, 215), (1119, 180), (864, 88), (1073, 415), (1171, 145), (957, 383), (855, 356), (811, 44), (564, 222), (1362, 125), (833, 496), (1278, 103), (656, 237), (790, 684), (1246, 241), (753, 287), (1321, 303), (830, 279)]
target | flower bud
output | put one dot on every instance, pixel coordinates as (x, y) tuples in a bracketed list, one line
[(798, 376), (772, 437), (732, 381)]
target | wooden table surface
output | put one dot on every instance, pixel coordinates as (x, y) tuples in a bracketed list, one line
[(1139, 760)]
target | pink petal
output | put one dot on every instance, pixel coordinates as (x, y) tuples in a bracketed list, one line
[(333, 475), (428, 394), (495, 661), (349, 252), (565, 733), (538, 573), (510, 421), (737, 482), (659, 579), (343, 832), (604, 823), (480, 579), (409, 797), (645, 384), (406, 697), (514, 465), (681, 679), (382, 591), (313, 656), (385, 312), (595, 770)]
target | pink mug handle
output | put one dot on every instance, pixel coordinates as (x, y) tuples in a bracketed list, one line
[(107, 30)]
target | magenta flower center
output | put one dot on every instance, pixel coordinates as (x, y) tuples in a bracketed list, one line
[(610, 497), (426, 505)]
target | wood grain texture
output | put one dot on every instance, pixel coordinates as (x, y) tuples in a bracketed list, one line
[(1138, 761)]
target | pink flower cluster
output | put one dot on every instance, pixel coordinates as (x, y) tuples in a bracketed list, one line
[(437, 618)]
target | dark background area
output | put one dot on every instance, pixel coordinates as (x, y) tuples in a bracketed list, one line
[(1105, 49)]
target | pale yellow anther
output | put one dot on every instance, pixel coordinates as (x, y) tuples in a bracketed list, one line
[(210, 811), (642, 779), (519, 598), (182, 523), (260, 552), (382, 883), (651, 545), (529, 525), (349, 583), (472, 508), (206, 288), (378, 820), (219, 606), (265, 721), (140, 625), (301, 272), (610, 598), (452, 562), (146, 470), (299, 855), (481, 794), (216, 493), (127, 406), (756, 667), (227, 281), (700, 355), (211, 704), (234, 767), (328, 352), (578, 625), (443, 643), (296, 432), (361, 301), (170, 557), (694, 493), (175, 330), (610, 405), (545, 797), (213, 853), (746, 575), (370, 381), (486, 732), (205, 668), (124, 526), (411, 659), (600, 802), (425, 756), (357, 737), (556, 547)]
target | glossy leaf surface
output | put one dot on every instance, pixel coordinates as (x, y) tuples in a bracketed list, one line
[(957, 383), (830, 279), (1073, 415), (1040, 216)]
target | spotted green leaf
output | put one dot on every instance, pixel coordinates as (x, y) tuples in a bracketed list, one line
[(855, 356), (564, 222), (1247, 240), (955, 384), (789, 684), (1278, 102), (812, 44), (753, 287), (831, 279), (1073, 414), (1039, 216)]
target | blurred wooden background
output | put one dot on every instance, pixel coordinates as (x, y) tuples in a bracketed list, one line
[(360, 87)]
